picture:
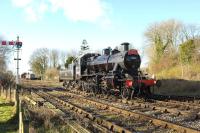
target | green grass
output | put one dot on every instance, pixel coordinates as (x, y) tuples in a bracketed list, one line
[(40, 83), (6, 111), (8, 117)]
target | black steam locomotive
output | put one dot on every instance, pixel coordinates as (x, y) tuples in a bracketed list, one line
[(113, 71)]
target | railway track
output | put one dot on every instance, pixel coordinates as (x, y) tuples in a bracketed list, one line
[(34, 101), (169, 106), (141, 115), (122, 108), (188, 101), (187, 105), (126, 122), (100, 124)]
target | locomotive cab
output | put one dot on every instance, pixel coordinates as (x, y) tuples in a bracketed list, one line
[(132, 60)]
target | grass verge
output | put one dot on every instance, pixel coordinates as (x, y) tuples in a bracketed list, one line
[(40, 83), (8, 117)]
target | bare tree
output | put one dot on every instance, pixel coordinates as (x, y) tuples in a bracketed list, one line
[(188, 32), (54, 58), (172, 44), (73, 53), (39, 61), (163, 37), (4, 55), (63, 58)]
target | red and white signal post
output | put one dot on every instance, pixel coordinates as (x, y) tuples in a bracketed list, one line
[(17, 46)]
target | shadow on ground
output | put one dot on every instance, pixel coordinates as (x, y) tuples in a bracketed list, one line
[(12, 124), (7, 104), (178, 87)]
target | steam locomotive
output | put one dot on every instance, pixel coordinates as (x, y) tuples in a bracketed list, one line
[(113, 71)]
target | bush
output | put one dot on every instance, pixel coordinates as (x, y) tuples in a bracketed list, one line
[(188, 72), (7, 79), (51, 74)]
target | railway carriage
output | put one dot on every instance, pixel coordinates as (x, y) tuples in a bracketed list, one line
[(113, 71)]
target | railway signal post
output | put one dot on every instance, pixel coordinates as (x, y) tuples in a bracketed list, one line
[(18, 45)]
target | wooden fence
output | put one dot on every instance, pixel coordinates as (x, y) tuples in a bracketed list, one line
[(23, 119)]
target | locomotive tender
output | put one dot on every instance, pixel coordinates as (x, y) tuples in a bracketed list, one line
[(113, 71)]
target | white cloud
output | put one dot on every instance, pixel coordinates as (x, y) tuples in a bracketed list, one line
[(82, 10), (21, 3), (33, 9), (105, 23), (31, 14), (75, 10), (43, 7)]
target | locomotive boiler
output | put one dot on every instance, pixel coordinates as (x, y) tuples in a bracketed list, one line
[(113, 71)]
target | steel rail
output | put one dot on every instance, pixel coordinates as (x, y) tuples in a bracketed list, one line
[(74, 125), (194, 115), (173, 110), (155, 121), (100, 121)]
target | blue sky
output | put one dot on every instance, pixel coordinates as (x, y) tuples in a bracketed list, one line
[(63, 24)]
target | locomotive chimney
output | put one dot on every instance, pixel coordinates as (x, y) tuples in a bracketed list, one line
[(126, 46)]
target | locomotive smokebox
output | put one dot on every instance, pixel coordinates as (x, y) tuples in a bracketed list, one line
[(126, 46)]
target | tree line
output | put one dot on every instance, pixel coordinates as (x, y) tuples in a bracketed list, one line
[(6, 77), (46, 63), (173, 48)]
